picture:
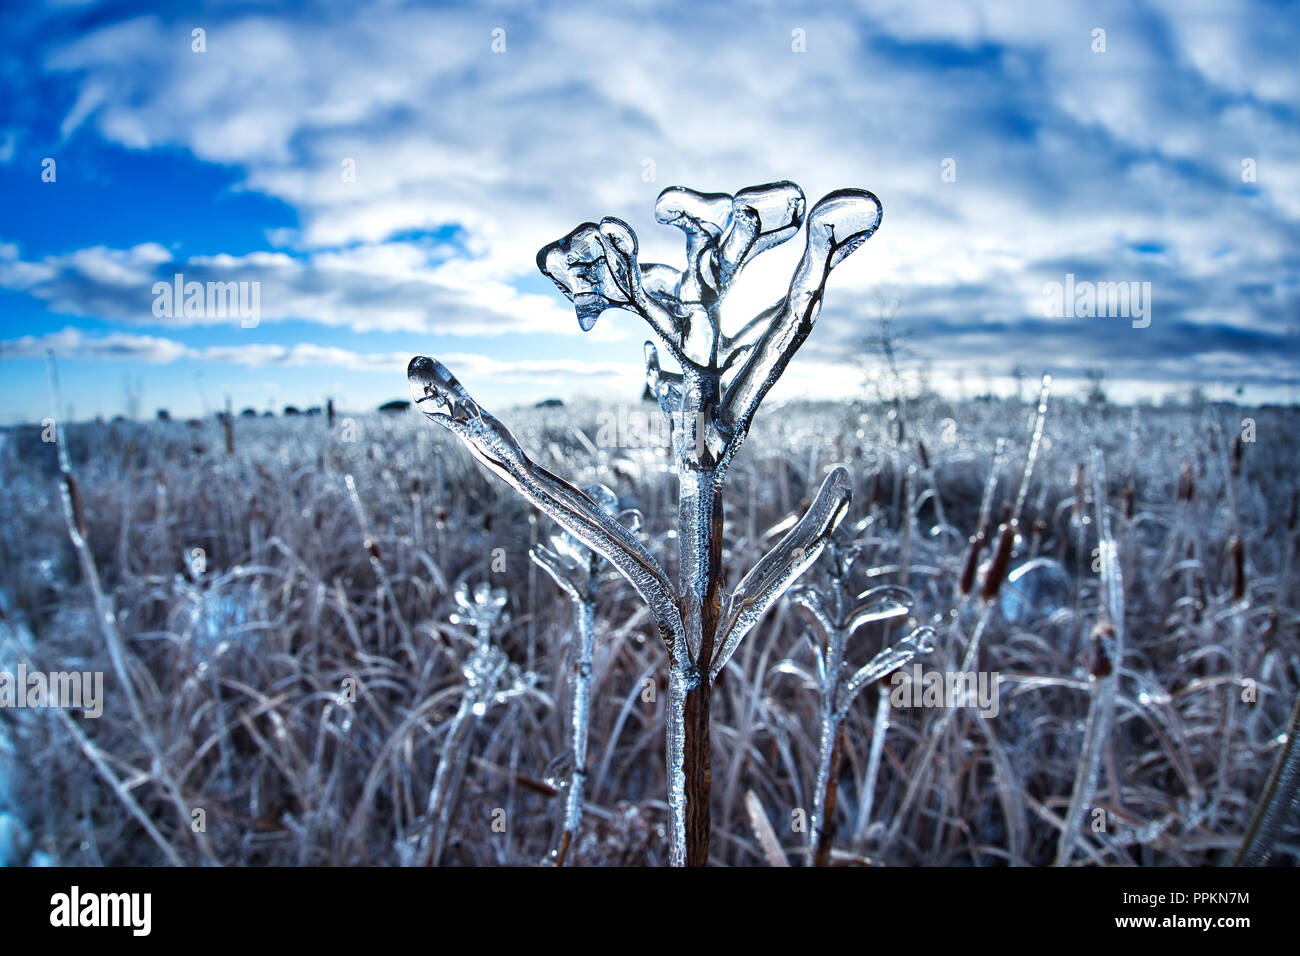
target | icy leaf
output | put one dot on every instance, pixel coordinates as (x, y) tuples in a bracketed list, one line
[(563, 571), (704, 218), (579, 266), (435, 390), (762, 217), (837, 225), (573, 565), (661, 282), (694, 212), (890, 659), (778, 569), (882, 603), (817, 605), (596, 267)]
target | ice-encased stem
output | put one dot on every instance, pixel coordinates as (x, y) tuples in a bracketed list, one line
[(447, 780), (830, 755), (579, 717), (879, 727), (699, 586), (828, 775)]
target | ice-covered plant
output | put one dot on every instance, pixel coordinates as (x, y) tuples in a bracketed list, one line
[(490, 679), (709, 405), (839, 617), (576, 569)]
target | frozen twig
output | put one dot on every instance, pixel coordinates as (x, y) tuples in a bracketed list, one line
[(576, 570), (490, 679), (597, 267), (838, 619), (1279, 802)]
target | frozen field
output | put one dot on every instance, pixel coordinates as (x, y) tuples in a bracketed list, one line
[(295, 665)]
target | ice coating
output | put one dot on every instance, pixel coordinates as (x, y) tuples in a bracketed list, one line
[(576, 569), (838, 225), (491, 678), (837, 619), (778, 569), (1104, 682), (596, 266), (580, 709), (434, 388), (481, 610), (890, 659), (762, 217)]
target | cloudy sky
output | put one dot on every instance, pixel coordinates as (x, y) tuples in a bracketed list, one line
[(385, 172)]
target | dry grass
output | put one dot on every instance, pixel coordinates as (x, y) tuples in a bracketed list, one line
[(239, 669)]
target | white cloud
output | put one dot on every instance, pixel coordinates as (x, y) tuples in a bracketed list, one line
[(1065, 158), (72, 342), (387, 286)]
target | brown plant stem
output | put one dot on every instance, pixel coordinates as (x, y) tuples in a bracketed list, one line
[(702, 591), (826, 827)]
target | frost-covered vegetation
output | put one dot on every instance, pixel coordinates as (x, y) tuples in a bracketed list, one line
[(297, 678)]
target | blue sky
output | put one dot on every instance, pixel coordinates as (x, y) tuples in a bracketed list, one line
[(1171, 156)]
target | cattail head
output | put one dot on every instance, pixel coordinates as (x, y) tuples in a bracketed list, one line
[(972, 563), (923, 454), (1186, 483), (78, 508), (1103, 649), (1237, 554), (1080, 497), (1129, 497), (1237, 447), (997, 570)]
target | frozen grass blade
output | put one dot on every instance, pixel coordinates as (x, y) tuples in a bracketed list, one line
[(767, 838), (118, 653), (1279, 802), (1107, 658)]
